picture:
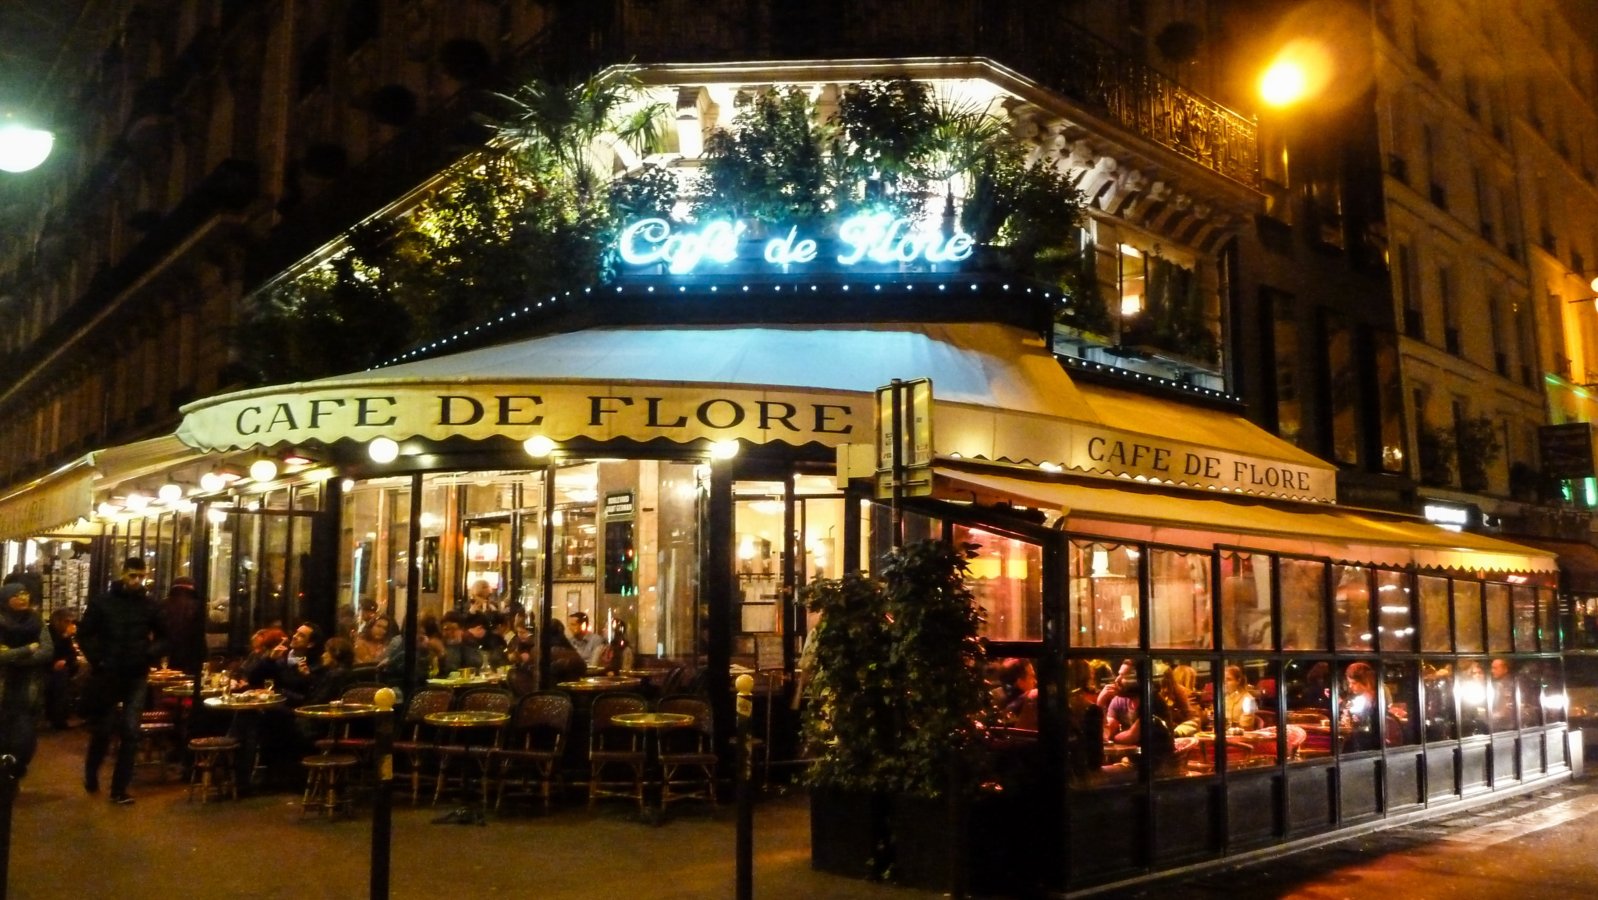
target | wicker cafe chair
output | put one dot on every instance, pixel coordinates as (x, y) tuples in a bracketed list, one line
[(538, 740), (488, 699), (690, 748), (353, 737), (610, 745), (419, 742)]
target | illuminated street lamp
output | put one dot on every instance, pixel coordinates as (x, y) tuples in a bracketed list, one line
[(23, 148), (1299, 72)]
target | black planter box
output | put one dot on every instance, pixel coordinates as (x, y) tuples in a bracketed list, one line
[(848, 832)]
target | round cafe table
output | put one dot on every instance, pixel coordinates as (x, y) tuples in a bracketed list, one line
[(652, 723), (337, 716), (598, 684), (463, 683), (465, 723)]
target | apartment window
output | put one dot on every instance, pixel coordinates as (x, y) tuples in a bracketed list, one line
[(1525, 342), (1408, 292), (1445, 292), (1289, 350), (1347, 410), (1484, 203), (1389, 412), (1275, 177), (1495, 320)]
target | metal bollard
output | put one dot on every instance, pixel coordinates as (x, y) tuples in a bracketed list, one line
[(746, 812), (8, 796), (383, 797)]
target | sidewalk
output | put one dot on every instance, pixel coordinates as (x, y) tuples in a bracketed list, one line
[(67, 844)]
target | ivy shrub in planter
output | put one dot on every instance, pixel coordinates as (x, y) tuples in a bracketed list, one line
[(1477, 447), (899, 703)]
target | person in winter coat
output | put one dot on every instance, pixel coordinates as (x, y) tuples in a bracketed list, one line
[(25, 653), (122, 634), (59, 684)]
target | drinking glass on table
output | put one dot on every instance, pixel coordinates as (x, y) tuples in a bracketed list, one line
[(270, 685)]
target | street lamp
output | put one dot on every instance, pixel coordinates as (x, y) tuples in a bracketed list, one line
[(23, 148), (1300, 71)]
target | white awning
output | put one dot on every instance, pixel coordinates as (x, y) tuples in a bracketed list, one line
[(59, 501), (999, 395)]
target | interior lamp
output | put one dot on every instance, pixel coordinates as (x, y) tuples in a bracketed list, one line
[(723, 449), (23, 148), (538, 446), (263, 470), (169, 493), (383, 450)]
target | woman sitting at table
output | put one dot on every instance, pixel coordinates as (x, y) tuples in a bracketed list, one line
[(335, 675), (258, 665), (1017, 694), (1241, 705), (565, 663), (1177, 691), (1357, 723), (371, 647)]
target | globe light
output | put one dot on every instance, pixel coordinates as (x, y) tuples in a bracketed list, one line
[(170, 493), (263, 470), (723, 449), (383, 450), (23, 148), (538, 446), (1300, 71), (211, 482)]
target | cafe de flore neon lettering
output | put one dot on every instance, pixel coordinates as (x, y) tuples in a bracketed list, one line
[(878, 237), (1132, 456)]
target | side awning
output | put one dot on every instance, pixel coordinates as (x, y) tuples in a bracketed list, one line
[(61, 502), (1136, 512), (1578, 563)]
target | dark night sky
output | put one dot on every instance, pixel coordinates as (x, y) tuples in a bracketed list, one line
[(38, 37)]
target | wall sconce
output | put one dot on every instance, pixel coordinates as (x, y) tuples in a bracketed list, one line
[(383, 450), (263, 470), (723, 449), (219, 478), (538, 446), (169, 493)]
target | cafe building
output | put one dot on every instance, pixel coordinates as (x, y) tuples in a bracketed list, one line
[(682, 449)]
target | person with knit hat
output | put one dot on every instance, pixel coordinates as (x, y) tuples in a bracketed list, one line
[(25, 651)]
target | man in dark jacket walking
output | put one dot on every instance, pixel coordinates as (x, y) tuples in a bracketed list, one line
[(25, 651), (121, 634)]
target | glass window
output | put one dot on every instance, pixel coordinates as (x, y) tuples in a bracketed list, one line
[(1180, 687), (1401, 690), (1179, 598), (1358, 722), (1547, 605), (1470, 686), (1245, 715), (1123, 732), (1394, 616), (1437, 683), (1503, 695), (1307, 691), (1467, 617), (1007, 579), (1352, 607), (1245, 601), (1303, 604), (1523, 602), (1540, 693), (1084, 719), (1104, 595), (1434, 614), (1497, 617)]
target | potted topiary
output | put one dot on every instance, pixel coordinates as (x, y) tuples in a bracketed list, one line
[(897, 714)]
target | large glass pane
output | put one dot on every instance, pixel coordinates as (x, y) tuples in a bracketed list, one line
[(1540, 686), (1523, 602), (299, 562), (574, 558), (1434, 621), (1245, 601), (165, 562), (1497, 617), (671, 615), (1308, 692), (758, 528), (1467, 617), (1351, 607), (1007, 578), (1401, 689), (1245, 715), (274, 575), (1503, 696), (1303, 604), (1104, 595), (1437, 683), (1358, 723), (1084, 722), (1394, 617), (1548, 614), (1180, 687), (1470, 686), (1179, 598)]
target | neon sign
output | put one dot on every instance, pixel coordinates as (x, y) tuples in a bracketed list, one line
[(874, 238)]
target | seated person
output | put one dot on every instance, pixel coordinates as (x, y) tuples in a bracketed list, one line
[(1123, 720), (335, 675), (1177, 693), (1017, 694), (371, 647), (1241, 706), (1357, 723)]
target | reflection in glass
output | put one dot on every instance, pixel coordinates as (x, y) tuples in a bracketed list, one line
[(1497, 617), (1358, 726), (1007, 579), (1437, 684), (1179, 689), (1245, 602), (1394, 617), (1401, 687), (1523, 602), (1084, 722), (1104, 595), (1467, 617), (1470, 686), (1503, 696), (1303, 604), (1179, 599), (1308, 693), (1352, 607), (1434, 617)]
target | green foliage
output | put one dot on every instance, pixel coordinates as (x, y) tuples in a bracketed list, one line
[(1082, 303), (1435, 449), (881, 129), (899, 690), (1477, 447), (771, 168)]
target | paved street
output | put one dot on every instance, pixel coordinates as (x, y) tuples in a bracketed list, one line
[(1539, 846), (66, 844)]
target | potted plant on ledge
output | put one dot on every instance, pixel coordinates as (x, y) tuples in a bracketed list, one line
[(898, 708)]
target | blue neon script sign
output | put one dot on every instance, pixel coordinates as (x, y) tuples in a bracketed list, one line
[(878, 237)]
